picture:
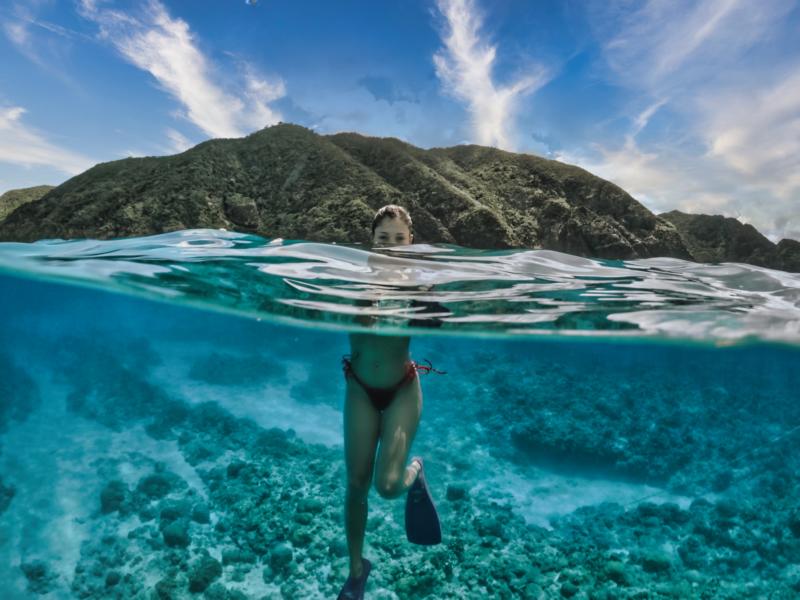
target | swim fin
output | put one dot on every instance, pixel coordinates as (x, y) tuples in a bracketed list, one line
[(354, 588), (422, 520)]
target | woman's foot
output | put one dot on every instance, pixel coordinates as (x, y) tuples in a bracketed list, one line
[(353, 588), (356, 570), (416, 464)]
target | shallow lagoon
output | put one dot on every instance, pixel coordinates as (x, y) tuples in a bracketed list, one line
[(162, 449)]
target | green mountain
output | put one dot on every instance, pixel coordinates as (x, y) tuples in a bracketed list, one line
[(13, 199), (714, 238), (287, 181)]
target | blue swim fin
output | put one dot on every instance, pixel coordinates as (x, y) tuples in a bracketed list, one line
[(422, 520)]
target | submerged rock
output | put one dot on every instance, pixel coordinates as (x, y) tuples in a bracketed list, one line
[(488, 526), (167, 588), (176, 534), (155, 486), (457, 491), (40, 579), (794, 523), (200, 513), (280, 556), (202, 572), (6, 496), (114, 497), (310, 505), (217, 591), (19, 392), (171, 509), (656, 562), (616, 571), (237, 555)]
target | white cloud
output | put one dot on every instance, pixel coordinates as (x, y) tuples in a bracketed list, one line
[(17, 33), (166, 48), (22, 145), (464, 67), (664, 178), (49, 52), (16, 29), (758, 133), (733, 98), (178, 141), (669, 44), (261, 92)]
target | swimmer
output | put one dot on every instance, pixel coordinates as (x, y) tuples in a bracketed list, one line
[(383, 403)]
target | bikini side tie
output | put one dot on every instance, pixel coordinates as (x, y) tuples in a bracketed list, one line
[(427, 368)]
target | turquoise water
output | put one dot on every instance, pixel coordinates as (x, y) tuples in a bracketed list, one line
[(171, 421)]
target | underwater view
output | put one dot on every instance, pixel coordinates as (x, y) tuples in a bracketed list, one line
[(171, 421)]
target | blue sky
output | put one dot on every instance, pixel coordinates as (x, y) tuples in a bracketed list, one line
[(688, 105)]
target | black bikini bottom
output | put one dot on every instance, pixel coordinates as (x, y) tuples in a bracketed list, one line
[(381, 398)]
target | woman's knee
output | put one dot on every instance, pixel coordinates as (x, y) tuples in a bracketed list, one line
[(388, 487)]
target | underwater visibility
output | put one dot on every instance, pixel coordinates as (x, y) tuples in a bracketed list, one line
[(171, 421)]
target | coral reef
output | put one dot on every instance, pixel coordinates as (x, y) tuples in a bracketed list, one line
[(268, 521)]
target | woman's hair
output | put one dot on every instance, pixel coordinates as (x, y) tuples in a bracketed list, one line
[(391, 211)]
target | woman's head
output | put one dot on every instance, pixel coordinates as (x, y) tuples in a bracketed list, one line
[(391, 226)]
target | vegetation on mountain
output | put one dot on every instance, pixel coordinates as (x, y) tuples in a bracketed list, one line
[(714, 238), (13, 199), (287, 181)]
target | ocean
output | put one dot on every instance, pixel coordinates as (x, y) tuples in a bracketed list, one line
[(171, 421)]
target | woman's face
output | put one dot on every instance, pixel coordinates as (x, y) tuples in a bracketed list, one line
[(392, 231)]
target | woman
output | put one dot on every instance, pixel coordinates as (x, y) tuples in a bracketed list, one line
[(383, 403)]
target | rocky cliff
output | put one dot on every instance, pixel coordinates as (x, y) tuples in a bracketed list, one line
[(714, 238)]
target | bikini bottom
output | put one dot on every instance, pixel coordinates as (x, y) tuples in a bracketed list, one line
[(381, 398)]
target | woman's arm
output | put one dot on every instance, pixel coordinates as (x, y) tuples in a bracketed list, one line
[(362, 319), (428, 307)]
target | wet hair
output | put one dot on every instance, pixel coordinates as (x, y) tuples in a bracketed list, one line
[(391, 211)]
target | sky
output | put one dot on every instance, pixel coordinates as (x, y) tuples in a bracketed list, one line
[(688, 105)]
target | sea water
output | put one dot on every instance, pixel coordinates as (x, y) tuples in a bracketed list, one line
[(171, 421)]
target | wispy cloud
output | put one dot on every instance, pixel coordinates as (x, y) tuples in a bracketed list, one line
[(383, 88), (23, 145), (638, 171), (734, 99), (178, 142), (16, 27), (166, 48), (34, 38), (671, 44), (260, 92), (465, 66), (758, 132)]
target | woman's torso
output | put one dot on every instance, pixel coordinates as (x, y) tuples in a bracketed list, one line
[(379, 360)]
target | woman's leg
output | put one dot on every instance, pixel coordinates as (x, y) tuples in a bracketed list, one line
[(361, 429), (398, 427)]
